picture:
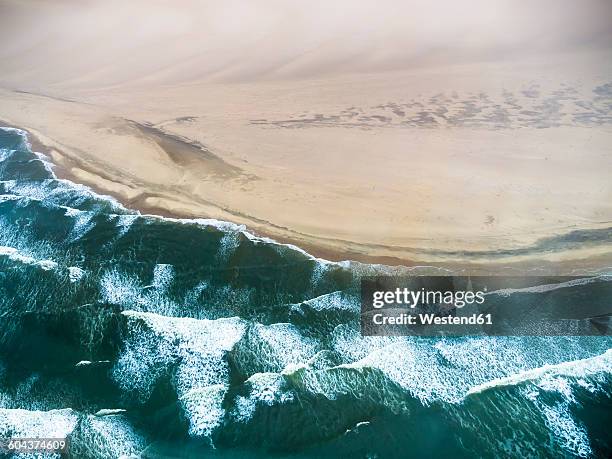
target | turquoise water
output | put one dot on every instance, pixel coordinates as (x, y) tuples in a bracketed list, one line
[(212, 342)]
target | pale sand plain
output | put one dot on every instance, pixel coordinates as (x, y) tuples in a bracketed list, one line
[(485, 162)]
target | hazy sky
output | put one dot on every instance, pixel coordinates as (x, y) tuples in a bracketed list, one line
[(112, 41)]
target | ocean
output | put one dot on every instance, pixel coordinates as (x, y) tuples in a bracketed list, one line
[(159, 337)]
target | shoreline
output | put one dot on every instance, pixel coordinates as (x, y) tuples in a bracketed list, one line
[(486, 263), (62, 172)]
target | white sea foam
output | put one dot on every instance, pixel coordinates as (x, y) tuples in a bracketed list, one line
[(86, 192), (244, 409), (47, 265), (203, 222), (119, 288), (360, 269), (452, 367), (128, 291), (546, 374), (109, 411), (204, 409), (230, 227), (33, 190), (269, 389), (570, 435), (271, 348), (338, 301), (276, 244), (124, 222), (351, 345), (283, 345), (83, 223), (15, 423), (227, 246), (191, 296), (16, 255), (193, 349), (265, 389), (86, 363), (21, 132), (163, 275), (5, 153), (318, 272), (409, 367), (356, 428), (75, 273), (550, 287), (107, 436), (41, 156), (46, 161), (58, 191)]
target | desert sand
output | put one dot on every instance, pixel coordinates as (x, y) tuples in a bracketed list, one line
[(481, 160)]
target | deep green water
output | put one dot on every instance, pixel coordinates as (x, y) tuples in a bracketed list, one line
[(217, 343)]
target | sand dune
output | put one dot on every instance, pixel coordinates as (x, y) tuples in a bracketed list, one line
[(351, 147), (71, 44)]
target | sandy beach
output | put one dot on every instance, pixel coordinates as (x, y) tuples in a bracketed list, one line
[(483, 161)]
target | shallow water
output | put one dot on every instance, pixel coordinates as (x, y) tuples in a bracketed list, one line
[(219, 343)]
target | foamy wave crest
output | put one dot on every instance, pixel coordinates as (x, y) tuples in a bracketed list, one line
[(546, 374), (189, 354), (550, 287), (16, 255)]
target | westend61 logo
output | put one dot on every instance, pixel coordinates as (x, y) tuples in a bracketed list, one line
[(486, 305)]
